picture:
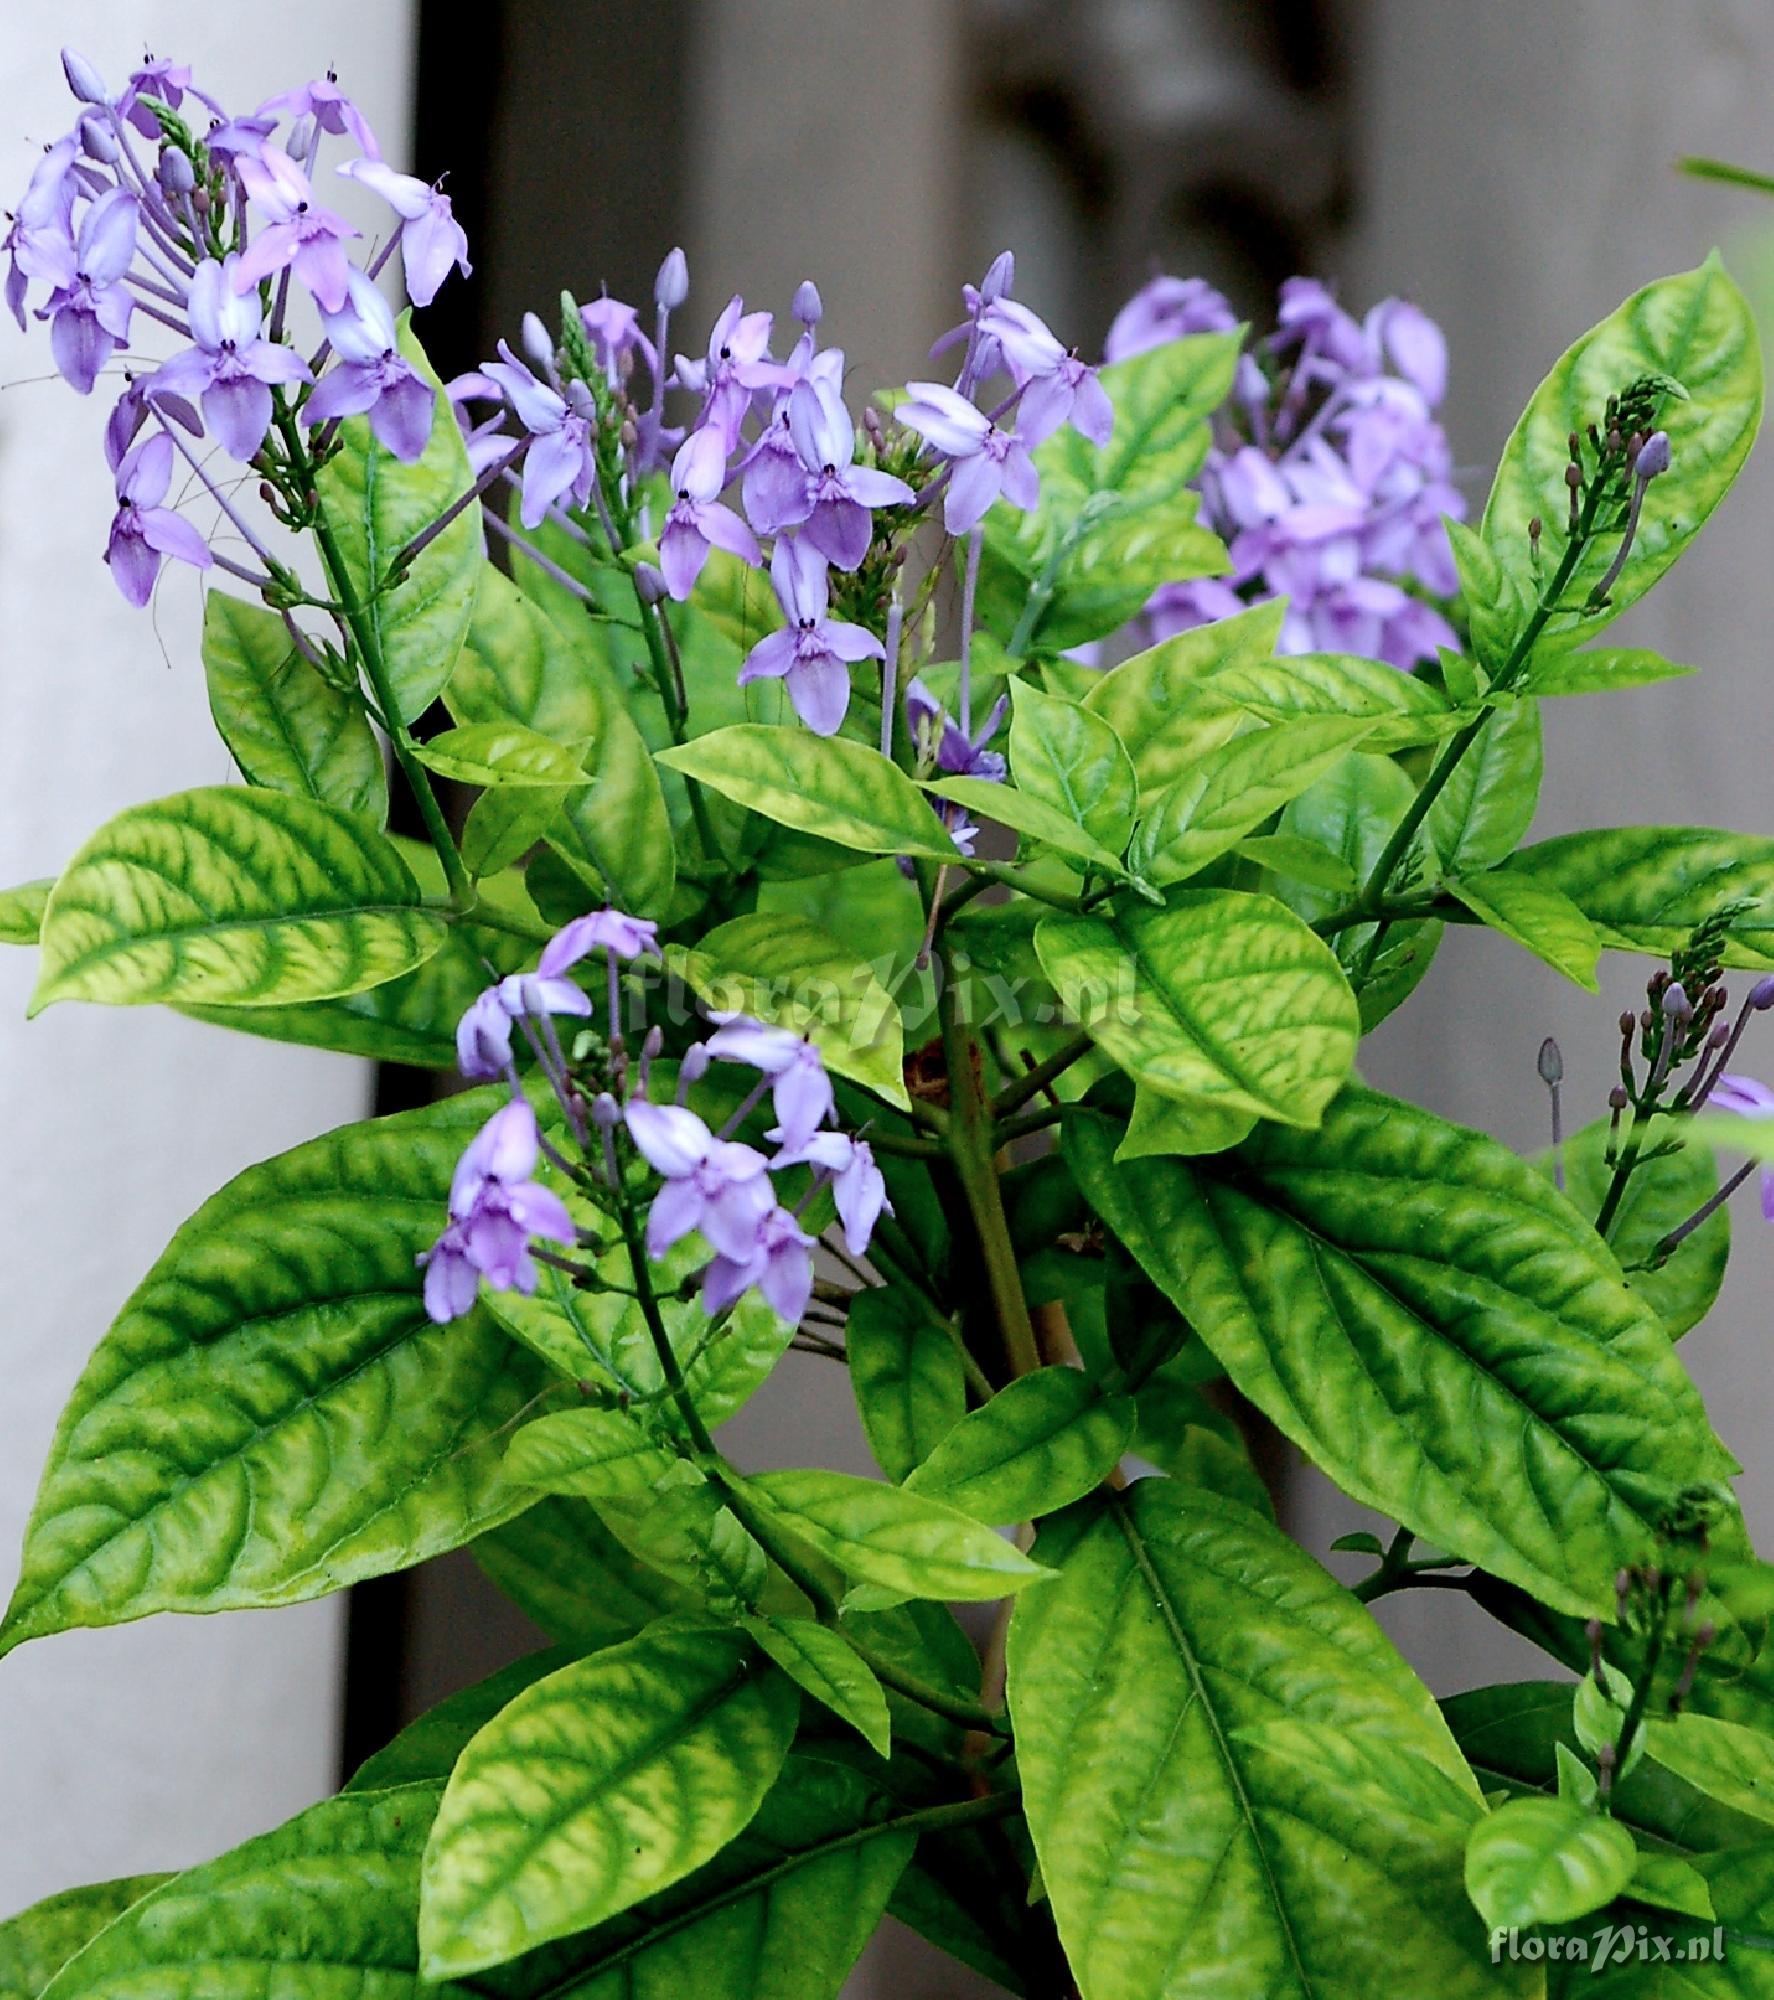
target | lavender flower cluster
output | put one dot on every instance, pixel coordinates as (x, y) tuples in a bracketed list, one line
[(1329, 476), (710, 1182)]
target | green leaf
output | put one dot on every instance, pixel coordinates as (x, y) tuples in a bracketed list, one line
[(1433, 1325), (604, 1783), (1072, 760), (1725, 1760), (1645, 888), (794, 975), (233, 896), (1023, 813), (1182, 1433), (1232, 791), (1484, 809), (504, 824), (1661, 1193), (1286, 854), (273, 1415), (1670, 1883), (566, 1572), (1696, 329), (502, 753), (592, 1454), (373, 505), (882, 1534), (1401, 711), (321, 1906), (1220, 996), (905, 1370), (285, 726), (1181, 1853), (425, 1751), (21, 911), (824, 785), (1536, 916), (685, 1532), (1546, 1861), (1042, 1442), (38, 1942), (1495, 597), (825, 1665), (1180, 1125), (1558, 672)]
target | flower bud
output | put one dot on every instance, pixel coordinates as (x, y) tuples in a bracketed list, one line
[(649, 583), (83, 80), (98, 141), (809, 307), (1761, 994), (174, 172), (1551, 1062), (672, 286), (606, 1113), (1676, 1004), (301, 139), (694, 1065), (1617, 1099), (537, 344), (1653, 457), (999, 277)]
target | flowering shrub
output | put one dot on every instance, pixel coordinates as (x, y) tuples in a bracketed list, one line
[(843, 966)]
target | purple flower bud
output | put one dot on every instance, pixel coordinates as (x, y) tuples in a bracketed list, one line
[(1676, 1004), (1000, 276), (1761, 994), (809, 308), (98, 141), (649, 583), (301, 139), (538, 345), (606, 1113), (1653, 456), (1617, 1098), (174, 172), (83, 80), (672, 286), (1551, 1063)]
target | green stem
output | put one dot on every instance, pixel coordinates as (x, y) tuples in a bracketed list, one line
[(1624, 1166), (1011, 878), (1014, 1095)]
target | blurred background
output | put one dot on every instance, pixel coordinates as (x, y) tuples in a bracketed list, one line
[(1508, 167)]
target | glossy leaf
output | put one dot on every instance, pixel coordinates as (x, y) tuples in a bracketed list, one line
[(1023, 813), (232, 896), (1726, 1760), (373, 505), (287, 727), (1232, 791), (1185, 1843), (1696, 329), (1220, 996), (905, 1370), (1598, 670), (1182, 1433), (1072, 760), (794, 975), (38, 1942), (502, 753), (825, 1665), (1536, 916), (824, 785), (425, 1751), (1300, 860), (1645, 888), (684, 1531), (591, 1454), (1433, 1325), (604, 1783), (21, 911), (1546, 1861), (1484, 809), (1400, 710), (1042, 1442), (1180, 1125), (566, 1572), (273, 1415), (884, 1535)]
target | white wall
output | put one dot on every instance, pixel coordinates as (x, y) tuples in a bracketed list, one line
[(157, 1744)]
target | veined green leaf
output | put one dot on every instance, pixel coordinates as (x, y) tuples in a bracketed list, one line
[(794, 975), (1042, 1442), (1299, 860), (604, 1783), (825, 1665), (1180, 1125), (906, 1373), (885, 1535), (1182, 1433), (1401, 710), (1424, 1316), (1696, 329), (1485, 808), (273, 1415), (425, 1751), (824, 785), (287, 727), (235, 896), (1233, 790), (1072, 760), (1538, 917), (373, 505), (590, 1453), (1726, 1760), (1645, 888), (1182, 1852), (1023, 813), (502, 753), (38, 1942), (504, 824), (21, 911), (1558, 672), (1546, 1861), (565, 1571), (1220, 996)]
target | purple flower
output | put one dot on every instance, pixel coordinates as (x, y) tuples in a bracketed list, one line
[(487, 441), (89, 309), (712, 1185), (1163, 310), (300, 238), (986, 461), (495, 1209), (562, 459), (698, 518), (237, 138), (839, 493), (800, 1090), (431, 239), (1748, 1098), (1056, 386), (328, 106), (230, 367), (540, 993), (1405, 339), (614, 331), (610, 930), (812, 651), (483, 1038), (982, 351), (44, 220), (738, 365), (371, 376), (164, 81), (143, 531), (856, 1182), (778, 1261), (936, 733)]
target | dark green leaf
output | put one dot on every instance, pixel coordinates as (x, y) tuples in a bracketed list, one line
[(563, 1568), (905, 1370), (426, 1750)]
